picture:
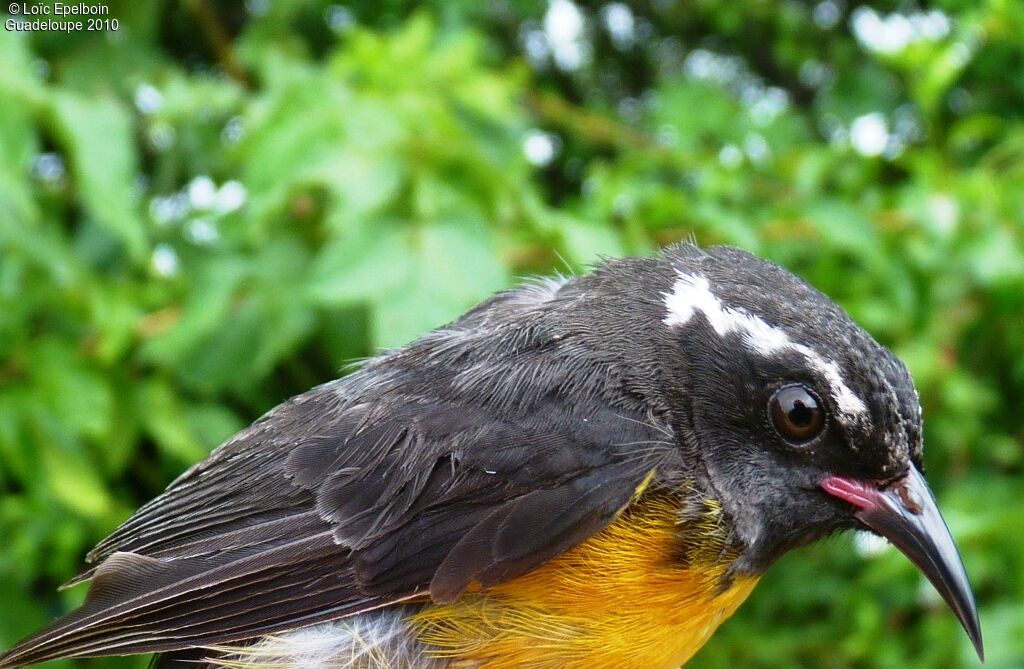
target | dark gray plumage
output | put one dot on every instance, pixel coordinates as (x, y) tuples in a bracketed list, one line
[(490, 445)]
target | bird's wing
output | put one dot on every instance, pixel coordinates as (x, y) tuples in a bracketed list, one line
[(331, 505)]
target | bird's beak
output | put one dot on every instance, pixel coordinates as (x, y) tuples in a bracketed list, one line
[(905, 513)]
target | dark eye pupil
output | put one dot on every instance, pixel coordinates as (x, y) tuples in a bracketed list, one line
[(796, 414), (801, 415)]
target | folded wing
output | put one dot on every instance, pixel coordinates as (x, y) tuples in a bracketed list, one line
[(356, 495)]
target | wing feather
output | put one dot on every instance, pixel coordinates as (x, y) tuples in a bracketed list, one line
[(391, 484)]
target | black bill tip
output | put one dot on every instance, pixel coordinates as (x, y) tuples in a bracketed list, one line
[(905, 513)]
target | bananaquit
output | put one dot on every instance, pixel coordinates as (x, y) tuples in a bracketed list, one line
[(582, 473)]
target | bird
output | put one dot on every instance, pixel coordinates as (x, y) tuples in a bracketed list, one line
[(585, 471)]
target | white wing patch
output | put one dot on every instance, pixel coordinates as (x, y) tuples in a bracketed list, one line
[(692, 294)]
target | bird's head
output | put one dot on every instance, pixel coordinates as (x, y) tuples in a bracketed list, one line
[(804, 423)]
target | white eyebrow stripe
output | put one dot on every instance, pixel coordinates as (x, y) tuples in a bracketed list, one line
[(692, 293)]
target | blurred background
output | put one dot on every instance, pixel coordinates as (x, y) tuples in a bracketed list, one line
[(220, 204)]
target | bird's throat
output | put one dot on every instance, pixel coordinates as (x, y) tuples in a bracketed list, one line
[(645, 593)]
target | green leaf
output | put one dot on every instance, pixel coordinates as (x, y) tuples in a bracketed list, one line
[(451, 266), (361, 266), (78, 396), (206, 308), (415, 277), (97, 135), (165, 419), (72, 478), (586, 243)]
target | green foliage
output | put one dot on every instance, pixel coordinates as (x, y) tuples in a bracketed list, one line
[(219, 207)]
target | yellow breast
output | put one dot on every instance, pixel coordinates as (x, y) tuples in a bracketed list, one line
[(634, 596)]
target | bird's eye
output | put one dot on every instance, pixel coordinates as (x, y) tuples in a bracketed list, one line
[(797, 414)]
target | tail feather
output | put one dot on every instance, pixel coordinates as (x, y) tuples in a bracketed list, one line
[(194, 658), (139, 604)]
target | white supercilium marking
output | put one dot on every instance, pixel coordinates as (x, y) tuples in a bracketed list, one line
[(692, 293)]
